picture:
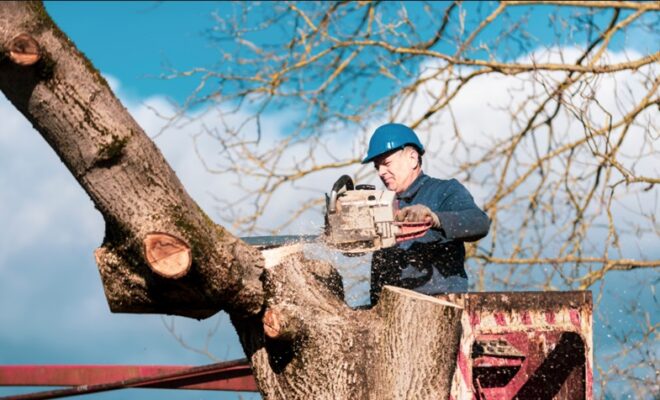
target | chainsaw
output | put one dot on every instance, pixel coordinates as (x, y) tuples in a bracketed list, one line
[(358, 219)]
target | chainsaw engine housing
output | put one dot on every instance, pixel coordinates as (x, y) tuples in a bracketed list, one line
[(360, 220)]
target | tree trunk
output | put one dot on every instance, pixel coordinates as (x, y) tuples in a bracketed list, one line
[(162, 254), (403, 348)]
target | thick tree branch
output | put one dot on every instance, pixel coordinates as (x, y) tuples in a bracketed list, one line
[(128, 180)]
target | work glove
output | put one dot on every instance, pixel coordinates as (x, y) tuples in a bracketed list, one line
[(418, 213)]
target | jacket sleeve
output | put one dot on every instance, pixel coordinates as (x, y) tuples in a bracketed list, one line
[(460, 218)]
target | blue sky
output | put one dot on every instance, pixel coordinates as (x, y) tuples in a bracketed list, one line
[(52, 306), (136, 41)]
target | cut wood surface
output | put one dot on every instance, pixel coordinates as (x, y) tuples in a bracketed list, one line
[(167, 255), (24, 50)]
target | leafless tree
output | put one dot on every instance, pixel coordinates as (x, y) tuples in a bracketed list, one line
[(567, 173)]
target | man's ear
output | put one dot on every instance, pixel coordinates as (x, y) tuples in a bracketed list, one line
[(414, 157)]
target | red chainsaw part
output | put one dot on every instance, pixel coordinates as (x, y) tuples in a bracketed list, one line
[(411, 230)]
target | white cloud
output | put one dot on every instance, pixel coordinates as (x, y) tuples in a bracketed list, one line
[(52, 304), (39, 196)]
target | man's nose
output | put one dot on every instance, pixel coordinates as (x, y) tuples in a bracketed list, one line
[(381, 170)]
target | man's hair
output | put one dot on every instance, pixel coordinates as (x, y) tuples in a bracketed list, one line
[(419, 156)]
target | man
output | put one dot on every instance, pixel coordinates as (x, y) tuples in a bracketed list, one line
[(434, 262)]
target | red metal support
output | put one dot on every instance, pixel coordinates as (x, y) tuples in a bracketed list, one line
[(232, 376)]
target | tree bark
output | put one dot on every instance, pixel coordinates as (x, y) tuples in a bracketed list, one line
[(162, 254)]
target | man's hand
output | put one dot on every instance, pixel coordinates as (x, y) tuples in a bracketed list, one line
[(417, 213)]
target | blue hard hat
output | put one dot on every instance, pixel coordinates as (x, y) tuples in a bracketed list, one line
[(390, 137)]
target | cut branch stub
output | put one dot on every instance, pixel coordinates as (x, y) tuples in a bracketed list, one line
[(280, 323), (167, 255), (24, 50), (271, 321)]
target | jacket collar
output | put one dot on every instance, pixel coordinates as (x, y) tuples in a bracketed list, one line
[(414, 187)]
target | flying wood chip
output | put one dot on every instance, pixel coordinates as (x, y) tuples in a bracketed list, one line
[(167, 255)]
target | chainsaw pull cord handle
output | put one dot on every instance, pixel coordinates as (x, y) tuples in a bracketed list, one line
[(343, 180)]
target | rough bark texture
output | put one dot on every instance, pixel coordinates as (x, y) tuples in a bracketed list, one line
[(418, 339), (317, 347)]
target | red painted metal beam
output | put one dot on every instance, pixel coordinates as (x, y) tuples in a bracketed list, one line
[(232, 376)]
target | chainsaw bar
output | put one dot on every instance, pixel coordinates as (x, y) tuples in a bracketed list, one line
[(269, 242)]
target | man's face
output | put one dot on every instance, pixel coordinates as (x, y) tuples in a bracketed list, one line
[(398, 169)]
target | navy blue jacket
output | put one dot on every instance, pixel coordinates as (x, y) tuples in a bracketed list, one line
[(440, 252)]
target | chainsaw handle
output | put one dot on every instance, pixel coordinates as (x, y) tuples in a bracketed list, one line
[(343, 180), (411, 230)]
